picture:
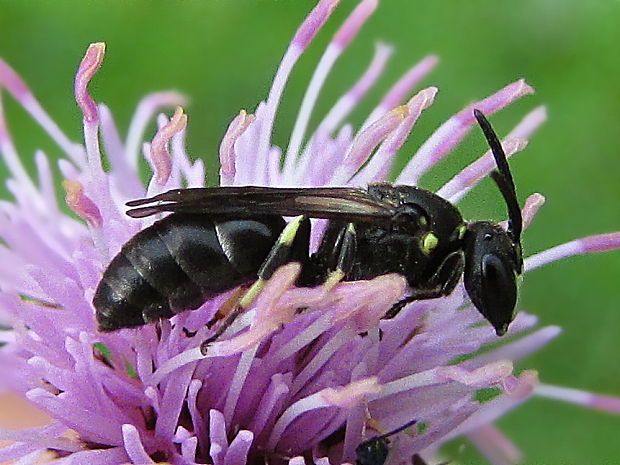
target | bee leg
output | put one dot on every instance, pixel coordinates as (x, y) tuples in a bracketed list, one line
[(341, 261), (371, 422), (416, 294), (224, 310), (450, 271), (441, 284), (293, 244)]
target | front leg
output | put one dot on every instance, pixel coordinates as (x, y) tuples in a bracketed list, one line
[(441, 284)]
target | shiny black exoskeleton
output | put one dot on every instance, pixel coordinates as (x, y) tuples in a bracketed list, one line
[(178, 263), (374, 451), (218, 238)]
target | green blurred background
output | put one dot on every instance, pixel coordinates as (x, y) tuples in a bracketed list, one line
[(224, 54)]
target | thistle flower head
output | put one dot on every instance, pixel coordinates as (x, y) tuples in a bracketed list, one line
[(281, 385)]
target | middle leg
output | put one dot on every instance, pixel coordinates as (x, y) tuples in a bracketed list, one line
[(292, 245)]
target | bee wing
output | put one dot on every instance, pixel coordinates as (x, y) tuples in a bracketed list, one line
[(342, 203)]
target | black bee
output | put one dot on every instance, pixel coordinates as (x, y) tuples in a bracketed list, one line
[(219, 238), (374, 451)]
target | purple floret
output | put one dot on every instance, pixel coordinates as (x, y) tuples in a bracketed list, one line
[(281, 385)]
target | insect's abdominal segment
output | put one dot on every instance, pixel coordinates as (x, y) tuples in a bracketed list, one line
[(286, 247), (216, 239)]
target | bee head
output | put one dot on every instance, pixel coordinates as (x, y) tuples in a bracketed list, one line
[(493, 259), (492, 265)]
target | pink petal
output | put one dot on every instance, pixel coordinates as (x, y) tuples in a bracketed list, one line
[(133, 445), (160, 156), (89, 66), (449, 134), (590, 244), (81, 204)]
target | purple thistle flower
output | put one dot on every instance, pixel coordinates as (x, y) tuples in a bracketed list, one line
[(279, 382)]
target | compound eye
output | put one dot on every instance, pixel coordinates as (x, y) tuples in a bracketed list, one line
[(494, 272), (428, 242), (499, 292)]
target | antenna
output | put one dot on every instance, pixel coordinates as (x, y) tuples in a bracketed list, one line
[(395, 431), (503, 178)]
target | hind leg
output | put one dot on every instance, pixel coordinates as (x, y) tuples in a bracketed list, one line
[(292, 245)]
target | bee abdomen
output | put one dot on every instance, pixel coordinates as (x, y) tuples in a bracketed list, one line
[(193, 244), (125, 299), (177, 264), (154, 261)]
